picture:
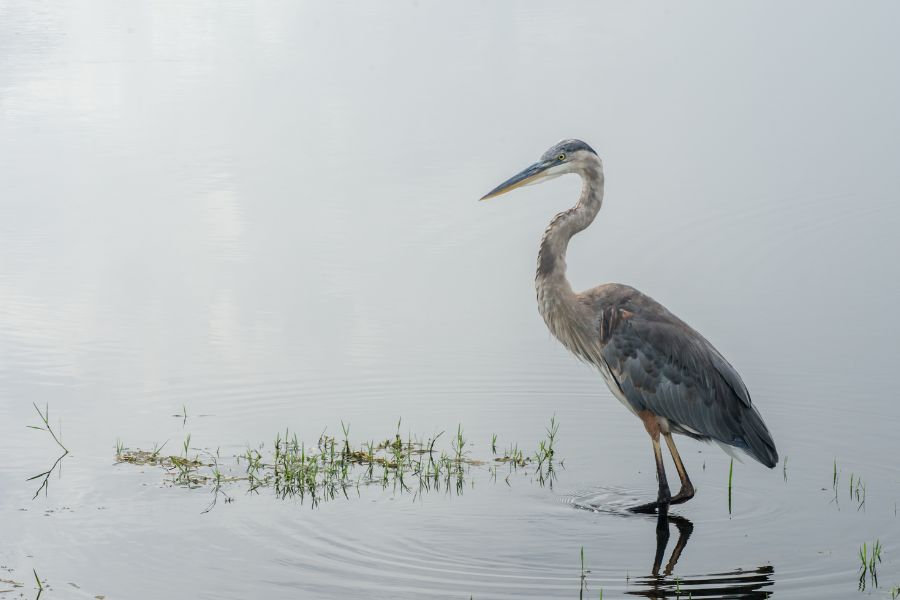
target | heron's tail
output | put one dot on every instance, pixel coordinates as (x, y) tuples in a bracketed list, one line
[(755, 438)]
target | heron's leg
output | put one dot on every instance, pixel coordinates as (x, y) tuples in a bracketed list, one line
[(652, 425), (687, 489), (664, 495)]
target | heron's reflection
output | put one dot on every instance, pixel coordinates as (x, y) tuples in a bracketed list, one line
[(685, 529), (739, 583)]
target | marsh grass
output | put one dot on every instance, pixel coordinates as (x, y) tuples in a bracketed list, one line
[(40, 584), (183, 415), (858, 491), (44, 477), (45, 419), (583, 582), (336, 468), (835, 479), (869, 564), (730, 479)]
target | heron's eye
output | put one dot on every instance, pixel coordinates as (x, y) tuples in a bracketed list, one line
[(561, 157)]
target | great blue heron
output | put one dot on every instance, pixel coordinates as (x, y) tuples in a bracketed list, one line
[(666, 373)]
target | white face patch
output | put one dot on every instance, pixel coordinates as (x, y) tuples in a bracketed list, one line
[(553, 172)]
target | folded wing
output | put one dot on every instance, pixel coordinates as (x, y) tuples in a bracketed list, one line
[(663, 366)]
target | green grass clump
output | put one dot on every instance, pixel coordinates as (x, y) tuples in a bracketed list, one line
[(333, 468)]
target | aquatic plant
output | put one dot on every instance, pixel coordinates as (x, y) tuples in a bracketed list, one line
[(857, 490), (730, 478), (45, 419), (40, 584), (834, 484), (869, 563), (583, 581), (183, 416), (545, 453), (459, 444), (333, 468), (45, 475)]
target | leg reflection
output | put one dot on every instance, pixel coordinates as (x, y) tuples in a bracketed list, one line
[(685, 528), (739, 583)]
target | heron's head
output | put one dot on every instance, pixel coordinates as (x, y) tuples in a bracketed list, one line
[(568, 156)]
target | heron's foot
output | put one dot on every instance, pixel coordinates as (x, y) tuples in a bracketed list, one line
[(661, 504), (685, 494), (648, 508)]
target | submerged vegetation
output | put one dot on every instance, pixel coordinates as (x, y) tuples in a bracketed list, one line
[(335, 467)]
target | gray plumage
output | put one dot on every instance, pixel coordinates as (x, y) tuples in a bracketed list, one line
[(662, 365), (653, 362)]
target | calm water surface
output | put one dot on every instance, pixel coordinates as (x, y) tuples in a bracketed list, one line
[(266, 213)]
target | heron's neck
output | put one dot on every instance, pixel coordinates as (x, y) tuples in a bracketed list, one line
[(551, 264)]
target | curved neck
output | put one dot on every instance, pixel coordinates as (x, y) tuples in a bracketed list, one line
[(551, 264)]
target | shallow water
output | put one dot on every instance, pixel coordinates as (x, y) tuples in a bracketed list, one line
[(265, 214)]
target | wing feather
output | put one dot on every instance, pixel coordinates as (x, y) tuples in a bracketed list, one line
[(663, 366)]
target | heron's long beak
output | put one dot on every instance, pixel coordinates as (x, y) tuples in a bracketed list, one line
[(532, 174)]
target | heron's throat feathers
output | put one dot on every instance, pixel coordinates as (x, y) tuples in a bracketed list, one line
[(555, 241), (565, 315)]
